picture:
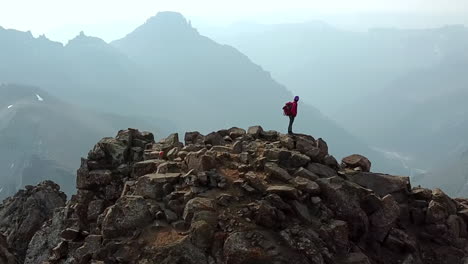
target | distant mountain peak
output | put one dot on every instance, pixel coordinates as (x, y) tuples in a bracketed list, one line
[(84, 40), (168, 18), (166, 22)]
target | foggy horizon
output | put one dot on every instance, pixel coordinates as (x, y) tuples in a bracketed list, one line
[(110, 21)]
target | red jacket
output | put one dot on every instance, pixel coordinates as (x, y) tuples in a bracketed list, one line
[(294, 109)]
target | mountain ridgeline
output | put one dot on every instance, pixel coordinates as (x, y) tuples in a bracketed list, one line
[(168, 75)]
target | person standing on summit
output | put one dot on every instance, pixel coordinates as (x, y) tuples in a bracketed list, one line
[(290, 109)]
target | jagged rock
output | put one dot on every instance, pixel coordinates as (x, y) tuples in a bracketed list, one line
[(93, 179), (270, 135), (357, 161), (331, 162), (421, 193), (91, 243), (152, 185), (46, 238), (304, 173), (440, 197), (6, 257), (306, 185), (238, 249), (214, 139), (111, 151), (456, 226), (344, 198), (306, 241), (287, 142), (196, 205), (281, 156), (169, 167), (198, 161), (321, 170), (256, 182), (276, 172), (399, 241), (436, 213), (237, 147), (371, 203), (298, 160), (382, 184), (383, 219), (146, 167), (194, 138), (308, 147), (70, 234), (323, 147), (284, 191), (238, 203), (127, 215), (22, 215)]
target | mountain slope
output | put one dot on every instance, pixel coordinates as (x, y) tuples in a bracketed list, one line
[(42, 138)]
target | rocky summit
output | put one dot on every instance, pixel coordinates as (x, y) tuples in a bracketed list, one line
[(231, 197)]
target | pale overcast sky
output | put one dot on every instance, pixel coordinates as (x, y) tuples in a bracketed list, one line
[(109, 19)]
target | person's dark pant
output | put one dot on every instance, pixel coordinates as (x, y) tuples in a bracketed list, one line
[(291, 121)]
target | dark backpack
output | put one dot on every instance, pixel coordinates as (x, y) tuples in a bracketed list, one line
[(287, 109)]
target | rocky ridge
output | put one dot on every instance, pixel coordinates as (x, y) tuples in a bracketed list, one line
[(239, 197)]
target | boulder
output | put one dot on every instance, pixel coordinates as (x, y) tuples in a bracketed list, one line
[(287, 142), (194, 138), (308, 147), (440, 197), (255, 131), (275, 172), (151, 186), (198, 161), (436, 213), (321, 170), (214, 139), (298, 160), (237, 147), (283, 191), (381, 184), (331, 162), (110, 151), (196, 205), (146, 167), (236, 132), (304, 173), (129, 214), (357, 161), (269, 135), (306, 185)]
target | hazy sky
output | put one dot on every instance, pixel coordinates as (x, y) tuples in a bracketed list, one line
[(62, 19)]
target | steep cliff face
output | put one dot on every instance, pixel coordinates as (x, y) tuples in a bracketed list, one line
[(240, 197)]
